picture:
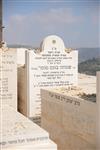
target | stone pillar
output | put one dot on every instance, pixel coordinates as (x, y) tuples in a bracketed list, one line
[(98, 110)]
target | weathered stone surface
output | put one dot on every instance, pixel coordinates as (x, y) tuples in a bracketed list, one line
[(21, 56), (22, 91), (51, 67), (18, 132), (48, 146), (70, 120), (8, 77)]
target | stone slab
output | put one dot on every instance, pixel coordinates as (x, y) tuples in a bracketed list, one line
[(17, 130), (40, 75)]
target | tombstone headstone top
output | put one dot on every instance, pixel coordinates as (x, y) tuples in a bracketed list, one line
[(52, 42)]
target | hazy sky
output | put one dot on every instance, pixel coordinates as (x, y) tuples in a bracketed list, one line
[(29, 21)]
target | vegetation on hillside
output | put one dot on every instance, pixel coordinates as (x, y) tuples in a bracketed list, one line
[(90, 66)]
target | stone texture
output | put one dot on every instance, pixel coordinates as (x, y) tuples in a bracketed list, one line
[(22, 91), (50, 67), (8, 77), (21, 56), (71, 121), (18, 132)]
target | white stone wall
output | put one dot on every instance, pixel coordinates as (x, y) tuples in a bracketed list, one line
[(21, 56)]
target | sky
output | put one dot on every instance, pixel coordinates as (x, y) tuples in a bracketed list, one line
[(28, 22)]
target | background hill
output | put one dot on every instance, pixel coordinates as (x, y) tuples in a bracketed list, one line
[(89, 66), (88, 53), (19, 46)]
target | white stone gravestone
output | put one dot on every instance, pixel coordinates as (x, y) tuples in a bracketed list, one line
[(8, 76), (17, 132), (51, 67)]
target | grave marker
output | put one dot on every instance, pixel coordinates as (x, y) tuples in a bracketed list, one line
[(70, 120), (51, 67), (18, 132), (8, 77)]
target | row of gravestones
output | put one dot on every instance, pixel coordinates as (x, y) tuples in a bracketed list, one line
[(51, 66), (8, 87)]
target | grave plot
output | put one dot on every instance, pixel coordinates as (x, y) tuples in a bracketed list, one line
[(70, 120), (18, 132)]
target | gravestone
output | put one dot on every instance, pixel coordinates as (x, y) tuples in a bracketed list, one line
[(18, 132), (51, 66), (8, 77), (70, 120)]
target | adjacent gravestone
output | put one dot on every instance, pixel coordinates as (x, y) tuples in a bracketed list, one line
[(18, 132), (21, 56), (70, 120), (49, 67), (98, 110), (8, 77)]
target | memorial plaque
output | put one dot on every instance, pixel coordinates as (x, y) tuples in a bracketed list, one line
[(51, 67), (22, 91), (47, 146), (8, 77)]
